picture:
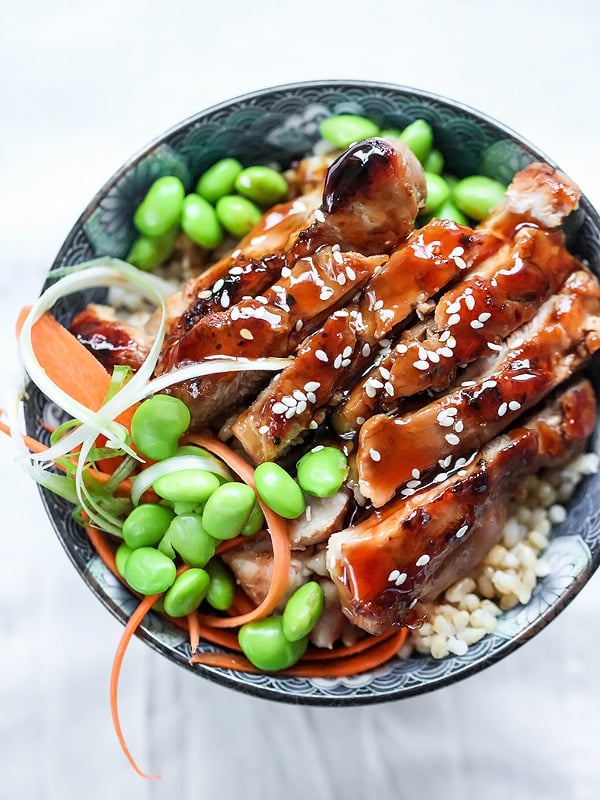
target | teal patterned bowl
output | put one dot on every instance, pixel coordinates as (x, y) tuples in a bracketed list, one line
[(281, 124)]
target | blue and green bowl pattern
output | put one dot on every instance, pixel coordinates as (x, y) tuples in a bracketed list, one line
[(279, 125)]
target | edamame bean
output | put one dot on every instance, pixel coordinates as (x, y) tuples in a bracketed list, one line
[(157, 425), (434, 162), (122, 553), (344, 129), (449, 211), (264, 645), (161, 207), (149, 571), (237, 214), (438, 192), (322, 471), (186, 486), (222, 585), (302, 611), (199, 221), (227, 510), (418, 136), (255, 522), (185, 508), (477, 195), (146, 525), (219, 179), (188, 537), (390, 133), (186, 593), (263, 185), (279, 490), (149, 252)]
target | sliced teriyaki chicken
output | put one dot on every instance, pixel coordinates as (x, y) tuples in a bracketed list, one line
[(322, 517), (534, 360), (109, 338), (470, 320), (272, 324), (373, 192), (417, 547), (538, 193)]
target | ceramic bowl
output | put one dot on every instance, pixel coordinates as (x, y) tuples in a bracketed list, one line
[(281, 124)]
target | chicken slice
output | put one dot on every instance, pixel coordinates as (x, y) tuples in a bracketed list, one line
[(372, 194), (470, 320), (534, 360), (269, 325), (323, 516), (417, 547), (109, 338)]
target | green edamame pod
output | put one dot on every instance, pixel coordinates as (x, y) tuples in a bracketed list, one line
[(149, 252), (188, 537), (449, 211), (157, 424), (418, 136), (477, 195), (263, 185), (344, 129), (438, 192), (264, 645), (278, 490), (390, 133), (237, 214), (186, 486), (322, 471), (122, 553), (148, 571), (186, 593), (219, 179), (161, 207), (146, 525), (227, 510), (221, 591), (302, 611), (199, 221)]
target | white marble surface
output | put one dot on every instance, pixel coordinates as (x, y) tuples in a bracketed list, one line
[(83, 85)]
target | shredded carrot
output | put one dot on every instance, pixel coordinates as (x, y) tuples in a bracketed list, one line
[(277, 530), (132, 624), (194, 630), (366, 643), (229, 544)]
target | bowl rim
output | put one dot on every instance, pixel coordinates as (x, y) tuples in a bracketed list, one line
[(231, 679)]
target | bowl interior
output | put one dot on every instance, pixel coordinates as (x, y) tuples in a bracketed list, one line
[(279, 125)]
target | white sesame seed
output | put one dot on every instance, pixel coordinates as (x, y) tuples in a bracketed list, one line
[(385, 343), (452, 438), (347, 352), (339, 259), (279, 408), (290, 413), (311, 397), (460, 262), (444, 336), (313, 425), (468, 384), (370, 390), (502, 410), (493, 346), (445, 352), (375, 454), (489, 384), (459, 426), (453, 320), (451, 343), (218, 285), (236, 253), (376, 383), (299, 325), (402, 348), (422, 560), (458, 251), (413, 603), (288, 401), (319, 215), (416, 473), (401, 578), (453, 308), (434, 357), (475, 324), (514, 406), (326, 293), (246, 334), (360, 420), (235, 313), (444, 419), (468, 290), (299, 395), (461, 531), (350, 273), (440, 477), (445, 462), (523, 377), (337, 362), (385, 373), (470, 302), (260, 299), (462, 473), (346, 362), (205, 294), (422, 353), (301, 407), (366, 350), (311, 386), (422, 365), (308, 513), (263, 429), (322, 356), (378, 305), (414, 484), (407, 492), (389, 388), (452, 412), (286, 272), (484, 316), (395, 573)]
